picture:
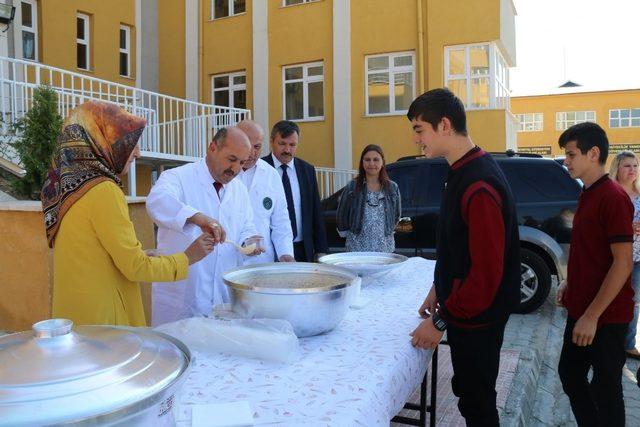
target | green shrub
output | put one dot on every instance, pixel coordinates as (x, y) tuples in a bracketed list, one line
[(35, 140)]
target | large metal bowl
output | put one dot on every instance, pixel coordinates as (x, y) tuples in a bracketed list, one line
[(314, 298), (364, 263)]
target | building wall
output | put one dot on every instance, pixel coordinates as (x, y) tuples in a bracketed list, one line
[(600, 102), (226, 48), (26, 264), (304, 33), (171, 47), (300, 34), (393, 133), (57, 33)]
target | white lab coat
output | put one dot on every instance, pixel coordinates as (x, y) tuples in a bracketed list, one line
[(270, 212), (179, 194)]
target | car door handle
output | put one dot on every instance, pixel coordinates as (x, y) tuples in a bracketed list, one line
[(405, 225)]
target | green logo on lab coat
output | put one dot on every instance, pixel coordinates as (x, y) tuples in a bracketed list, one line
[(267, 203)]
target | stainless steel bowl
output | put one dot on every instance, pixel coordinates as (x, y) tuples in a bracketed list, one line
[(314, 298), (364, 263)]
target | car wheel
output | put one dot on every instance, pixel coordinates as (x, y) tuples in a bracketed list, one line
[(535, 281)]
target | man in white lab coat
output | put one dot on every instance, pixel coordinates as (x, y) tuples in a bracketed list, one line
[(202, 196), (270, 212)]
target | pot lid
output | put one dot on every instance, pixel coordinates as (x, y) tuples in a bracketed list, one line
[(59, 372)]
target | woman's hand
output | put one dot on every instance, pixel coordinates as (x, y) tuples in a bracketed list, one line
[(200, 248)]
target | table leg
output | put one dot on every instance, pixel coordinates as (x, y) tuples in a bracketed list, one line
[(423, 408)]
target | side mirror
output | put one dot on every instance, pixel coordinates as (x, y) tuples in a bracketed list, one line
[(405, 225)]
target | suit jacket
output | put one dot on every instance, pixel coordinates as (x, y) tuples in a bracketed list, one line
[(313, 231)]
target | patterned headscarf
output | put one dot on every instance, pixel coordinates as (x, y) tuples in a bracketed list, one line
[(95, 143)]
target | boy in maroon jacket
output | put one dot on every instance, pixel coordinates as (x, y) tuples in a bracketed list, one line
[(476, 282), (597, 293)]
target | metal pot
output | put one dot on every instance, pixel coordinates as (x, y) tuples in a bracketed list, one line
[(90, 375), (311, 309)]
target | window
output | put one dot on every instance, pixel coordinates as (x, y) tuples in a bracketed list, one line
[(230, 90), (82, 41), (535, 183), (478, 75), (303, 91), (626, 118), (566, 119), (530, 122), (390, 86), (125, 50), (292, 2), (29, 11), (224, 8)]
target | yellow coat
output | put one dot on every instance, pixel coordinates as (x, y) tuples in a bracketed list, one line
[(98, 262)]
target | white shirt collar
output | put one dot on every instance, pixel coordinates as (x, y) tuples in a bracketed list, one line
[(206, 174), (277, 163)]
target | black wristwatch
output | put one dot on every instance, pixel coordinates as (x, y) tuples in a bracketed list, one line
[(439, 324)]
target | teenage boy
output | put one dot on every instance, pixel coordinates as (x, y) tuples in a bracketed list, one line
[(476, 281), (598, 293)]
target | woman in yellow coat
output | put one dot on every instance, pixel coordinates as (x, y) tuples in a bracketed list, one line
[(97, 259)]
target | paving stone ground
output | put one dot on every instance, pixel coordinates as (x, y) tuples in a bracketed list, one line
[(529, 391)]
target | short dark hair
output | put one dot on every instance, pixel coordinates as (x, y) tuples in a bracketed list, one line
[(285, 128), (434, 105), (587, 135), (220, 137)]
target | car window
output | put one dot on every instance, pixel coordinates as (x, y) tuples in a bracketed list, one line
[(543, 182), (406, 178)]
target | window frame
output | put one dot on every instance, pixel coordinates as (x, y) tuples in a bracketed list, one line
[(305, 80), (498, 76), (522, 124), (86, 41), (573, 122), (620, 118), (284, 3), (33, 30), (230, 89), (126, 50), (392, 70), (232, 10)]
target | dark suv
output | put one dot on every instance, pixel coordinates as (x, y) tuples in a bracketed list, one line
[(546, 199)]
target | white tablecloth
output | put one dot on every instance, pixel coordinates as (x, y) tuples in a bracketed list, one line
[(361, 373)]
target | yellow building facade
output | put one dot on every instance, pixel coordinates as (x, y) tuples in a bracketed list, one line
[(93, 38), (346, 71), (542, 118)]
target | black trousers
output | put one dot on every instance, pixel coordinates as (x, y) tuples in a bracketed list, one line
[(475, 357), (298, 252), (599, 403)]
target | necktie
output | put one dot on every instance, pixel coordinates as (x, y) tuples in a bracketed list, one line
[(217, 186), (289, 195)]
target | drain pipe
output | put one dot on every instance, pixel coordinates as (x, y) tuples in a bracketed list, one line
[(420, 56)]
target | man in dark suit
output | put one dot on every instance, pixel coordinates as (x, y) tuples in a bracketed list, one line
[(301, 191)]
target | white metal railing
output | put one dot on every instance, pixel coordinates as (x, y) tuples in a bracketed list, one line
[(511, 130), (177, 129), (331, 180)]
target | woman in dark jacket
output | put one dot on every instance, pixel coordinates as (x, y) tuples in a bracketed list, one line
[(369, 207)]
